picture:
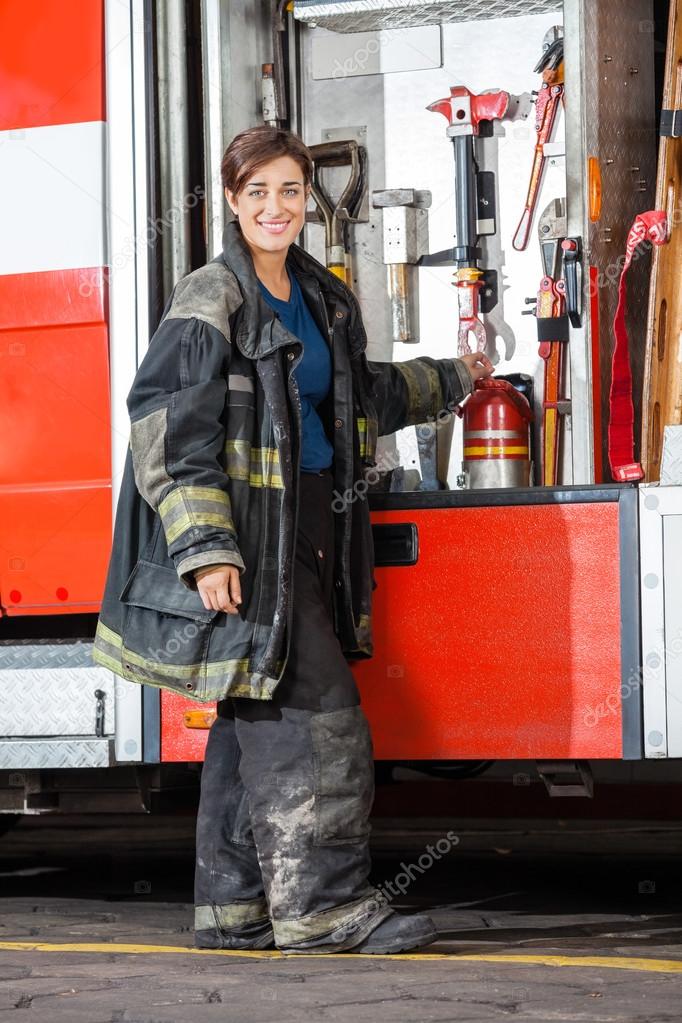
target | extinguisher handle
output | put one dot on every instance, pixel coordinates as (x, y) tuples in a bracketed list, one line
[(514, 395)]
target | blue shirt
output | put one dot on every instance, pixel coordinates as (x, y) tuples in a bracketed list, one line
[(313, 374)]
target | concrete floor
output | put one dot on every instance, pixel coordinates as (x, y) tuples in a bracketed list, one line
[(539, 920)]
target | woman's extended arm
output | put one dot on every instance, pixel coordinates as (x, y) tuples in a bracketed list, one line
[(177, 436), (416, 391)]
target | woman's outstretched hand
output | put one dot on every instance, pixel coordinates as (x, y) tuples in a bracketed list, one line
[(478, 364), (219, 587)]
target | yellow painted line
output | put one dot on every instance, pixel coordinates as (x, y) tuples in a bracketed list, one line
[(608, 962)]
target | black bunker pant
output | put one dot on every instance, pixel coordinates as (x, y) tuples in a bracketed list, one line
[(287, 785)]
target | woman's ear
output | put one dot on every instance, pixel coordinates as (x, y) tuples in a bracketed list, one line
[(230, 200)]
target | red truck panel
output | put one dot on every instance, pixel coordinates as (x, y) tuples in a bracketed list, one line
[(52, 69), (55, 466), (502, 641)]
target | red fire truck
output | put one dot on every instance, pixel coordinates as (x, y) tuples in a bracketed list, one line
[(535, 620)]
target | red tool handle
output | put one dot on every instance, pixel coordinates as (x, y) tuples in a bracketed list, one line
[(547, 108)]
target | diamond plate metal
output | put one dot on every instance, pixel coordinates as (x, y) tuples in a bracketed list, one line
[(54, 701), (20, 754), (49, 653), (671, 460), (366, 15)]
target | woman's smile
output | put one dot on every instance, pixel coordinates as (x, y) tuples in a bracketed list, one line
[(274, 226)]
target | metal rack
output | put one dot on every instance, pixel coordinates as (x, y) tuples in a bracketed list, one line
[(368, 15)]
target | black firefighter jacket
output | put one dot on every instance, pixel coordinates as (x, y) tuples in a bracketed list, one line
[(211, 476)]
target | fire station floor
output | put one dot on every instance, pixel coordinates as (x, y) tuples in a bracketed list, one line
[(539, 920)]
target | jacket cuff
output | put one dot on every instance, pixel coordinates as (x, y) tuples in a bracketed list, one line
[(187, 566), (465, 379)]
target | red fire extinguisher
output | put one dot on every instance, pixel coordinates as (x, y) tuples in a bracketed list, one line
[(497, 420)]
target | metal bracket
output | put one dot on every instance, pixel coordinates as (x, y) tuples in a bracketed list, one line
[(566, 777), (671, 124), (489, 294), (486, 212)]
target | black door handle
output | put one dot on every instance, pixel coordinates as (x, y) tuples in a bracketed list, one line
[(395, 543)]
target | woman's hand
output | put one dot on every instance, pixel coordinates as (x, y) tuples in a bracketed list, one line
[(219, 587), (478, 364)]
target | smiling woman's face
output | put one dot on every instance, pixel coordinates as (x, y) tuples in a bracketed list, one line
[(271, 206)]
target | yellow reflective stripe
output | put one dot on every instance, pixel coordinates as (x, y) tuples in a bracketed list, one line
[(496, 451), (265, 468), (185, 670), (184, 494), (188, 506), (259, 467), (367, 436), (256, 480), (206, 494), (231, 915), (237, 454), (108, 635), (362, 434), (171, 501)]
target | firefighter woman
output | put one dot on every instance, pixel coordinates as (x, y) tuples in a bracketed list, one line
[(242, 565)]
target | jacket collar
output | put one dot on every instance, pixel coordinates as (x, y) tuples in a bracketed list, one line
[(260, 332)]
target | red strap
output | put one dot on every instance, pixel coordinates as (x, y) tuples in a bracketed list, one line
[(653, 227)]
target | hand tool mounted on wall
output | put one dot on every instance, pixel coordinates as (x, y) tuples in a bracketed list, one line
[(552, 324), (466, 113), (405, 227), (549, 99), (336, 217), (274, 75)]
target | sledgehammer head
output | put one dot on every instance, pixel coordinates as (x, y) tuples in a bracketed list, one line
[(465, 110)]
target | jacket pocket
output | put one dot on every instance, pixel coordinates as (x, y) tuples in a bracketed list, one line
[(159, 588), (343, 775), (166, 629)]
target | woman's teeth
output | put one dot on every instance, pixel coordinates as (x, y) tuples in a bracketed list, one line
[(274, 228)]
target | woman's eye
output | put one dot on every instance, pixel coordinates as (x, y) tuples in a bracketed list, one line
[(258, 192)]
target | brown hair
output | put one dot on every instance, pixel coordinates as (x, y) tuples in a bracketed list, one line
[(253, 147)]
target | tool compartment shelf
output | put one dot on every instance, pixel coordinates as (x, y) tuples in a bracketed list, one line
[(359, 16)]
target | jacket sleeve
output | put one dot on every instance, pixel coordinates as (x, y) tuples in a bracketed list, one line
[(408, 393), (177, 438)]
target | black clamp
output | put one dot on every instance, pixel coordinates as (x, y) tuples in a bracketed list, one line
[(552, 328), (572, 250), (671, 124)]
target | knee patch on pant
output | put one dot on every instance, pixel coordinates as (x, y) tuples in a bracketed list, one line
[(343, 775)]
